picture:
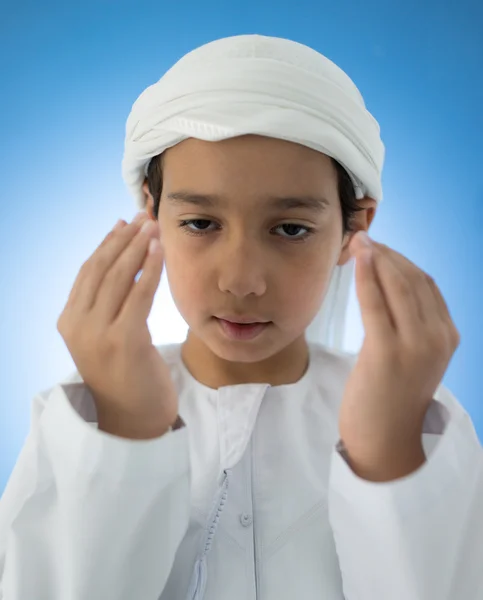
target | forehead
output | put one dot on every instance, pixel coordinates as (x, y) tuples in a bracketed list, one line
[(248, 165)]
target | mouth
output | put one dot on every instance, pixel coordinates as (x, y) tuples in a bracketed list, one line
[(242, 331), (242, 320)]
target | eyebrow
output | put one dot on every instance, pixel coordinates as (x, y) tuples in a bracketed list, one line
[(313, 203)]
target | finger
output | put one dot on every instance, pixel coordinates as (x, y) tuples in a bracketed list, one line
[(119, 225), (78, 284), (375, 315), (428, 307), (93, 270), (140, 300), (435, 315), (444, 312), (399, 295), (439, 299), (119, 280)]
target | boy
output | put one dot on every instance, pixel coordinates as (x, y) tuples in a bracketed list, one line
[(249, 462)]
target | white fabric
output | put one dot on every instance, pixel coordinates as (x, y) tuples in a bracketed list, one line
[(254, 84), (87, 515)]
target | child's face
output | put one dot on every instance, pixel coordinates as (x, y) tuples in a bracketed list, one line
[(245, 262)]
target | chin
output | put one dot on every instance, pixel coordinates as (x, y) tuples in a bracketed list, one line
[(252, 351)]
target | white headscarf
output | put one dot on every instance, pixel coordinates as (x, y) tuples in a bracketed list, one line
[(254, 84)]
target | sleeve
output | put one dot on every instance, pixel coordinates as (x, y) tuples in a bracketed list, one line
[(421, 536), (89, 515)]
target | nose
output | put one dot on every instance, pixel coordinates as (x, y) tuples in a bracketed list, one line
[(242, 271)]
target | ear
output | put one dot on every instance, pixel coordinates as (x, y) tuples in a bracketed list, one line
[(362, 221), (148, 200)]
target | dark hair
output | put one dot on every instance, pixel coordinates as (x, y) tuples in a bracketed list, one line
[(347, 195)]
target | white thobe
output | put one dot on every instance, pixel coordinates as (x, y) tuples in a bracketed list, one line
[(250, 500)]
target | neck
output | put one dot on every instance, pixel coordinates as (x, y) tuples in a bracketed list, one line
[(285, 367)]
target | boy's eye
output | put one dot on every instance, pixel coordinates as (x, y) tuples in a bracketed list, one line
[(202, 228)]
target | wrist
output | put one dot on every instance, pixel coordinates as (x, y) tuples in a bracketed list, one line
[(137, 428), (384, 464)]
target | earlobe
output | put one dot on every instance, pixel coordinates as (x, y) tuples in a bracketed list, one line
[(365, 217), (362, 221)]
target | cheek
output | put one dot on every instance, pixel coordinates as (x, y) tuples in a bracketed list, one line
[(185, 278), (307, 282)]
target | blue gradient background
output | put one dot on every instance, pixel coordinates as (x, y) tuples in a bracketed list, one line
[(69, 76)]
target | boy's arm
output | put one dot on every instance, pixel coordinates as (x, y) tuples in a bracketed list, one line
[(89, 515), (419, 537)]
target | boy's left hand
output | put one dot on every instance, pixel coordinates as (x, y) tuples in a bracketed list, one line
[(409, 341)]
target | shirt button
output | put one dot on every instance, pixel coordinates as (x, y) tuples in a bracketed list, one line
[(246, 520)]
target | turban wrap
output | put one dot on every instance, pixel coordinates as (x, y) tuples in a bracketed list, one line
[(269, 86)]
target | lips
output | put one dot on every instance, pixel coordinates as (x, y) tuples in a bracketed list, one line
[(247, 320), (242, 332), (243, 322)]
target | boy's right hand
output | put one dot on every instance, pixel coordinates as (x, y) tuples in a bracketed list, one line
[(104, 325)]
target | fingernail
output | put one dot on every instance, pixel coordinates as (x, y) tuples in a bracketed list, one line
[(365, 239), (154, 246), (118, 225)]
